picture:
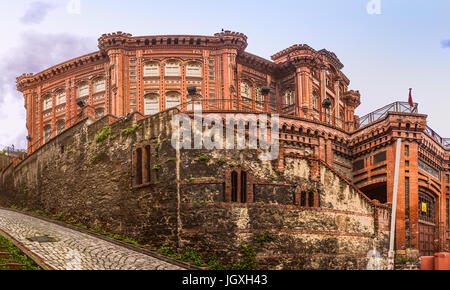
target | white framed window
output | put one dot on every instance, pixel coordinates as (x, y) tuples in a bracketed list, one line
[(48, 103), (315, 99), (194, 70), (99, 112), (99, 86), (172, 68), (61, 98), (151, 104), (289, 97), (246, 90), (193, 105), (151, 70), (83, 90), (60, 125), (172, 99), (47, 132)]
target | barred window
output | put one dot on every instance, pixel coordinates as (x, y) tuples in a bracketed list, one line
[(289, 97), (60, 126), (151, 104), (172, 68), (246, 90), (194, 70), (83, 90), (427, 207), (358, 165), (172, 99), (60, 98), (151, 70), (142, 165), (380, 157), (48, 102), (99, 86)]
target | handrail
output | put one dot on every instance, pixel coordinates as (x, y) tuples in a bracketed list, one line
[(402, 107)]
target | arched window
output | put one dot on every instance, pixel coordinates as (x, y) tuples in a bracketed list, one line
[(151, 70), (83, 90), (151, 104), (243, 187), (193, 105), (60, 98), (194, 69), (47, 132), (172, 68), (99, 112), (48, 102), (246, 90), (315, 99), (259, 95), (289, 97), (172, 99), (60, 126), (99, 86)]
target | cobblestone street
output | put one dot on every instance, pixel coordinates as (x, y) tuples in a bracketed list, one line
[(73, 250)]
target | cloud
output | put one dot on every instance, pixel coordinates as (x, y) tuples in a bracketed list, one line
[(446, 43), (35, 52), (36, 12)]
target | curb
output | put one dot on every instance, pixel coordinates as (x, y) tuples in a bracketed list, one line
[(27, 252), (107, 239)]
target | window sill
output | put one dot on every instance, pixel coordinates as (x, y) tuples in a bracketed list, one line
[(145, 185)]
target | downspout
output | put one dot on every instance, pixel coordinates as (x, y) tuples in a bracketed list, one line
[(394, 205)]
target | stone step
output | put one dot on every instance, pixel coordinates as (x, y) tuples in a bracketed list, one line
[(4, 255), (12, 266)]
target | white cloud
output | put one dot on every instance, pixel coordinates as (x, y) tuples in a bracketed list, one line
[(36, 12), (35, 52)]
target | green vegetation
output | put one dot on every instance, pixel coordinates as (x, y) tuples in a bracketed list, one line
[(60, 216), (16, 255), (94, 159), (203, 158), (247, 260), (104, 133), (171, 159), (157, 166), (130, 131), (264, 237), (220, 161), (3, 152), (404, 260)]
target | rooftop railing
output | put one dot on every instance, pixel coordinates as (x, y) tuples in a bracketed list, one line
[(402, 107)]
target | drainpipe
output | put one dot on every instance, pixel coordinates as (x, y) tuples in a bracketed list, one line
[(394, 205)]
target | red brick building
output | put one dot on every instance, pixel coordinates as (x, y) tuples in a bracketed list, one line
[(306, 87)]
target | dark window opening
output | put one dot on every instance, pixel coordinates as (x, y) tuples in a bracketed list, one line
[(138, 166), (243, 187), (311, 199), (303, 199), (234, 186), (358, 165), (380, 157)]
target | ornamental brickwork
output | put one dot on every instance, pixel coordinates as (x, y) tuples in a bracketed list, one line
[(151, 74)]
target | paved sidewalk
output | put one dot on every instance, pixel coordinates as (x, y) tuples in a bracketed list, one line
[(73, 250)]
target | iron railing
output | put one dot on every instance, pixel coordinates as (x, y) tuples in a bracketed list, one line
[(252, 106), (444, 141), (402, 107)]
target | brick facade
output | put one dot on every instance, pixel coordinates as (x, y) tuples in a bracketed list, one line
[(300, 79)]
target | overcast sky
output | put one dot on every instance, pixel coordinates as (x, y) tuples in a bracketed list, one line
[(385, 49)]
